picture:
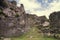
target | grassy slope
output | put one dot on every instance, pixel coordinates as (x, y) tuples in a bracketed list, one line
[(33, 35)]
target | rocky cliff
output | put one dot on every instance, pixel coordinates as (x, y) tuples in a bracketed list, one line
[(55, 22), (14, 21)]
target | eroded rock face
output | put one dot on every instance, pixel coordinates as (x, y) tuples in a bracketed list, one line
[(12, 26), (4, 3), (55, 22), (12, 21)]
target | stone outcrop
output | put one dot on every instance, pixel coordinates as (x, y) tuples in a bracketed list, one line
[(55, 23), (41, 20), (14, 21), (43, 24)]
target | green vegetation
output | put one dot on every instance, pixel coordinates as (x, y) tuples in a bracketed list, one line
[(33, 35), (17, 15)]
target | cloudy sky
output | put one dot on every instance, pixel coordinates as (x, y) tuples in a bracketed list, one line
[(40, 7)]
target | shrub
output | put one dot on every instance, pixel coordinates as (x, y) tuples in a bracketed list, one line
[(17, 15)]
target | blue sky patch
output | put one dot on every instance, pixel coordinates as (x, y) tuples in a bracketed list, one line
[(44, 3)]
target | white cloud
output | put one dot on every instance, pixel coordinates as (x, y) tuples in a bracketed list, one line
[(29, 4), (32, 5)]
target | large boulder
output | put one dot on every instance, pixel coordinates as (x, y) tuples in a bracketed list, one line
[(55, 24)]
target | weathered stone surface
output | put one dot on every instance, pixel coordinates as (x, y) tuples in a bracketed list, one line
[(43, 25), (14, 21), (4, 3), (11, 27), (55, 22)]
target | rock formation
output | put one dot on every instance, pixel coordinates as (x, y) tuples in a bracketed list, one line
[(14, 21), (55, 23), (43, 24), (3, 3)]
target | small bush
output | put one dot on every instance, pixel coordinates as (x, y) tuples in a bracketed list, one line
[(17, 15)]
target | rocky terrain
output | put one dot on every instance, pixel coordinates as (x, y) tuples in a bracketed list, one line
[(55, 23), (14, 21)]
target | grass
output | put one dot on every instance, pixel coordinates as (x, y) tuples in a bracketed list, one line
[(33, 35)]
